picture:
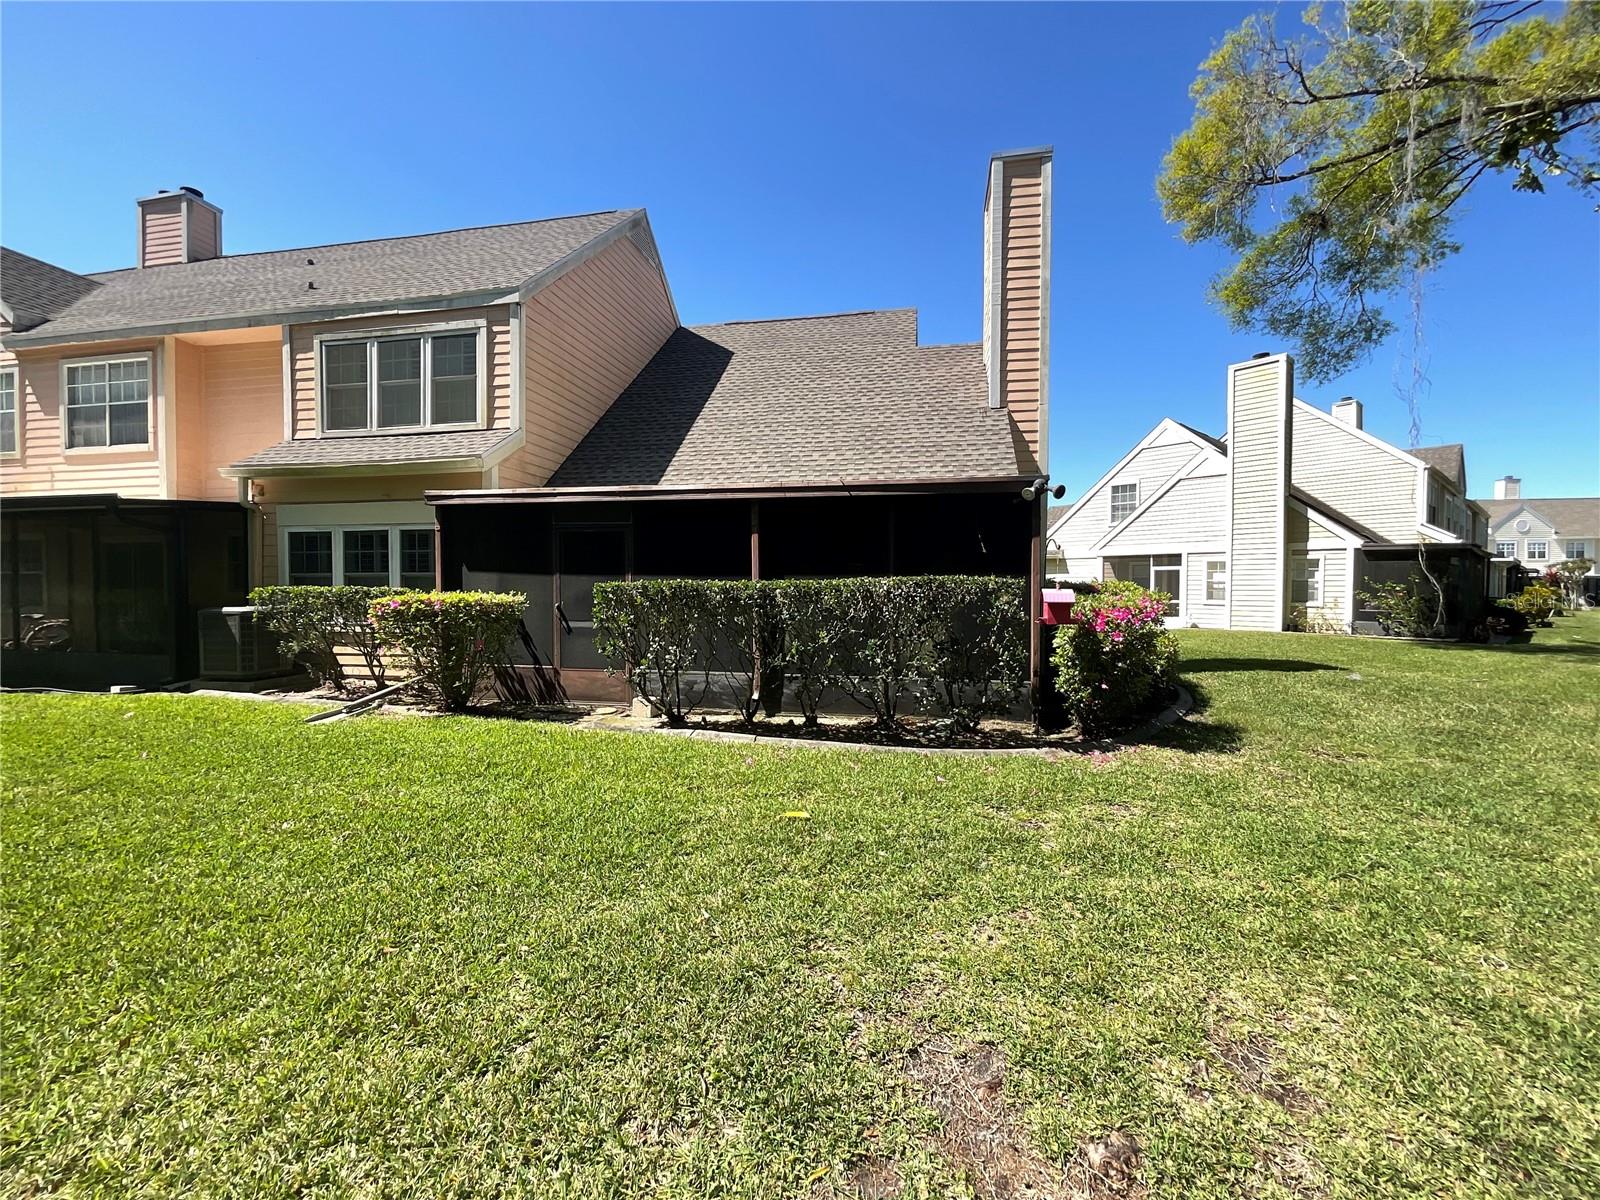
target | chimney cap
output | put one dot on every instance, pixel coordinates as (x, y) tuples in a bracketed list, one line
[(1347, 400), (1261, 354), (1024, 152), (193, 191)]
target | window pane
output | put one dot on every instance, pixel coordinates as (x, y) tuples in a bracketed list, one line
[(1536, 551), (399, 404), (311, 558), (1216, 580), (455, 401), (366, 557), (8, 391), (416, 558), (456, 355), (8, 432), (345, 363), (1124, 499), (86, 426), (347, 407), (130, 424)]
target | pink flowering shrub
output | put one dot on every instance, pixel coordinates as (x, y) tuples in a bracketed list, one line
[(449, 641), (1115, 658)]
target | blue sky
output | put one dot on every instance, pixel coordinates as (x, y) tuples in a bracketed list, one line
[(794, 160)]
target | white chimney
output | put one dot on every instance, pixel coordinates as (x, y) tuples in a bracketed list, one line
[(1016, 290), (178, 227), (1260, 466), (1508, 488), (1348, 410)]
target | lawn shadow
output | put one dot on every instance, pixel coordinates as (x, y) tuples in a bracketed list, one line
[(1286, 665), (1199, 736)]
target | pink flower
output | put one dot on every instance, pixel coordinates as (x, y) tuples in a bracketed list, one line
[(1116, 637)]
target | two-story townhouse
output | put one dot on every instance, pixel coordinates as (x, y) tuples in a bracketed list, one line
[(180, 430), (1281, 520), (1532, 534), (513, 404)]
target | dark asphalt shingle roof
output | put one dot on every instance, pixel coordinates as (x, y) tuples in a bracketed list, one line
[(384, 450), (1450, 461), (1215, 444), (385, 270), (809, 399), (1572, 516), (35, 290)]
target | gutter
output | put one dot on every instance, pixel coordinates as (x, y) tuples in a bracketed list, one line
[(754, 491)]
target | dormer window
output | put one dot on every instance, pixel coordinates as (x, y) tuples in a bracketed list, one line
[(406, 382)]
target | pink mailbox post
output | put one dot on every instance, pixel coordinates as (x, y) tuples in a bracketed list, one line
[(1056, 604)]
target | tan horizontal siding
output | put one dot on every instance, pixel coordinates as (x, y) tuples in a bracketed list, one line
[(1355, 478), (1022, 289), (161, 232), (1192, 511), (205, 233), (242, 405), (585, 337), (1257, 429)]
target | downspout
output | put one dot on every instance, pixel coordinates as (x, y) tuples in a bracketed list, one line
[(252, 535)]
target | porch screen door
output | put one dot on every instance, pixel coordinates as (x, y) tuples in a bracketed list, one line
[(585, 556)]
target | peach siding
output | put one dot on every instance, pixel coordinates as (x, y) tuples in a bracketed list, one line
[(1023, 225), (161, 232), (188, 380), (584, 339), (243, 411), (303, 358), (44, 466)]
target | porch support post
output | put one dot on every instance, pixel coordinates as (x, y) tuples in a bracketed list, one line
[(755, 539), (1035, 628)]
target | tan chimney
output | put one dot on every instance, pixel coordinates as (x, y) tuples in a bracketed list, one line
[(1348, 410), (1260, 466), (1508, 488), (1016, 290), (178, 227)]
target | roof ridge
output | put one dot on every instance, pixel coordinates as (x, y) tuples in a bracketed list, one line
[(399, 237), (859, 312), (43, 262)]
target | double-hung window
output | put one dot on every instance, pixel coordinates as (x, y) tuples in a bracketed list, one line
[(108, 402), (8, 411), (1505, 549), (1305, 582), (1124, 499), (384, 556), (1577, 549), (1216, 580), (411, 381), (1538, 551)]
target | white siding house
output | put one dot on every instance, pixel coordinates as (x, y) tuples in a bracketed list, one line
[(1276, 524)]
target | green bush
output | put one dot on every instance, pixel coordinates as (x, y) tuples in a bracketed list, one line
[(1538, 602), (962, 640), (450, 640), (655, 632), (1115, 657), (311, 622), (1409, 609)]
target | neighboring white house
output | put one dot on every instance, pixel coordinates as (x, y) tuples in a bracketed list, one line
[(1281, 520), (1539, 532)]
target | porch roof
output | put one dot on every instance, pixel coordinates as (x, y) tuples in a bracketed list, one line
[(458, 449), (771, 490)]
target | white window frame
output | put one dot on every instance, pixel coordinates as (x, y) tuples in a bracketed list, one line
[(1544, 550), (1582, 548), (1500, 550), (16, 412), (370, 338), (1133, 508), (148, 357), (1322, 579), (1206, 564), (338, 532)]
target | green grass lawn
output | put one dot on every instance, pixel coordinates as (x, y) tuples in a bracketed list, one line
[(1339, 936)]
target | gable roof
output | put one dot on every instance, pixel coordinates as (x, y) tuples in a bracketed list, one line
[(849, 396), (313, 282), (32, 290), (1450, 461), (1216, 444), (1574, 516)]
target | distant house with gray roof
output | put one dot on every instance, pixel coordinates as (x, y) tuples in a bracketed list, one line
[(1536, 533), (1281, 522)]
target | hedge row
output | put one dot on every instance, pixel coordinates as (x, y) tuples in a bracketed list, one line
[(960, 641), (311, 622)]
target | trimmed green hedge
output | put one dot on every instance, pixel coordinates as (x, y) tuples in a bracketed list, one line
[(451, 640), (960, 640), (311, 621)]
